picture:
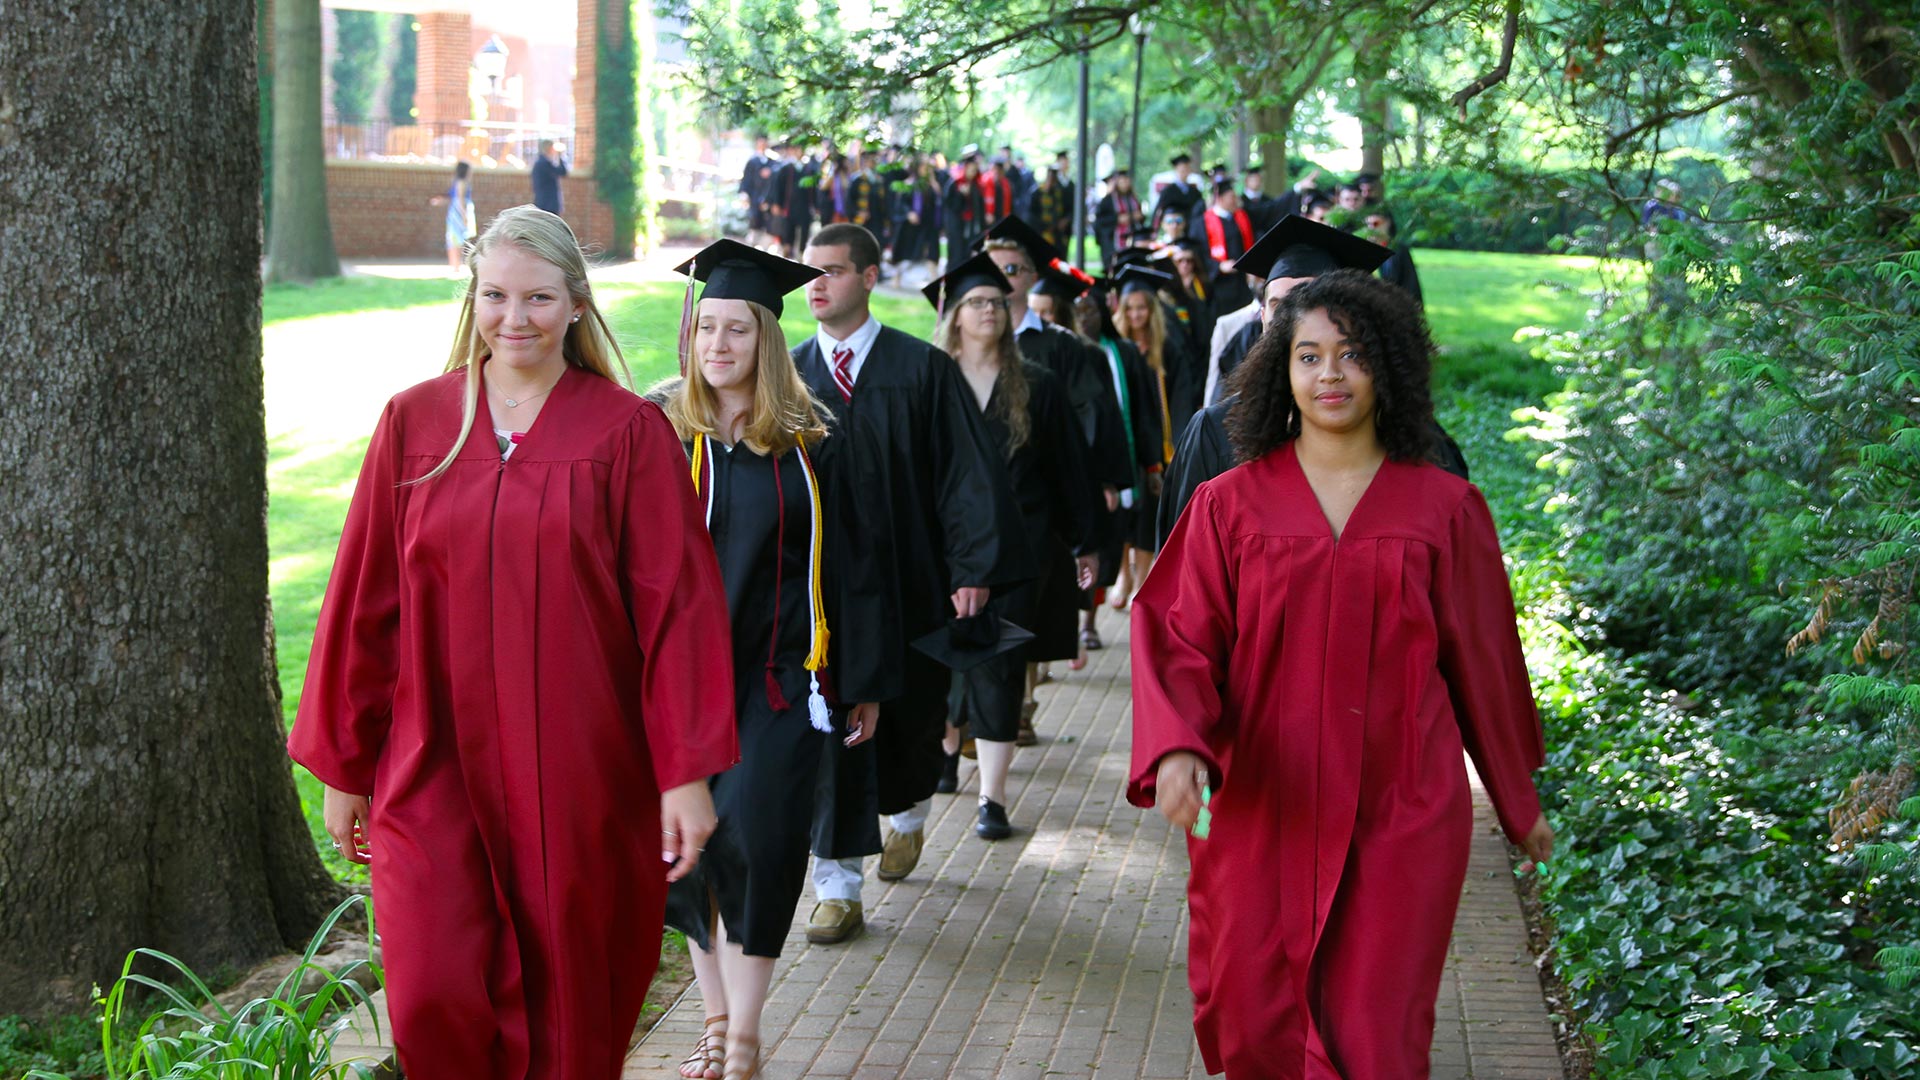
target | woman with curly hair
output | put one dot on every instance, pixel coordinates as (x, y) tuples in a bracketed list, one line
[(1327, 628)]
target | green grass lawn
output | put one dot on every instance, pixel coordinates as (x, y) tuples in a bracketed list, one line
[(335, 352)]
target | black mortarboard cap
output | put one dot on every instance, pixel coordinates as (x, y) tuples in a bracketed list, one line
[(1121, 171), (1136, 277), (1180, 159), (1037, 247), (964, 644), (734, 271), (963, 279), (1251, 169), (1298, 247), (1223, 185), (1063, 282)]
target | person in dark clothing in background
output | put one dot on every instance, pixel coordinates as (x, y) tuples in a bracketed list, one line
[(548, 168), (1382, 229)]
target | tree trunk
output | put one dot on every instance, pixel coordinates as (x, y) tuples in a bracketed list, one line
[(300, 245), (1273, 128), (145, 794), (1374, 102)]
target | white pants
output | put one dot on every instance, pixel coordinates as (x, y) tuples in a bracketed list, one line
[(840, 879)]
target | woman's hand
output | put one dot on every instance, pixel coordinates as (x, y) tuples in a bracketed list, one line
[(346, 818), (862, 722), (1538, 844), (1086, 567), (686, 821), (1177, 787)]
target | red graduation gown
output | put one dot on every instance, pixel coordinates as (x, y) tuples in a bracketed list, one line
[(514, 659), (1330, 687)]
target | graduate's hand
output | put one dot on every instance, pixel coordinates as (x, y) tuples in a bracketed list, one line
[(1155, 484), (345, 817), (1538, 844), (1086, 567), (862, 722), (1176, 788), (970, 601), (1113, 497), (686, 821)]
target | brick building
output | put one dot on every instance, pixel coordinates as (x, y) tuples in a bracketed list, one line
[(491, 78)]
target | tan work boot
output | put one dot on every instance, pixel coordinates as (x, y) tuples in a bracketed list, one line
[(834, 921), (900, 854)]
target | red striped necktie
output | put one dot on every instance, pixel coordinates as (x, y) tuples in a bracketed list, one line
[(843, 371)]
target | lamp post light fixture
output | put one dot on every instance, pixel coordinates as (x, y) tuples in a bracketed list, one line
[(491, 62)]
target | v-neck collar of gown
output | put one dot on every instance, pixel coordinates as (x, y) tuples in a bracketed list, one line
[(1358, 518), (483, 433)]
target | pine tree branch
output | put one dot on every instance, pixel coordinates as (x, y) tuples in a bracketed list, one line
[(1509, 34)]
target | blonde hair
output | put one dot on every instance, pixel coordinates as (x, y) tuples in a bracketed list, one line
[(1156, 344), (1009, 400), (589, 344), (784, 409)]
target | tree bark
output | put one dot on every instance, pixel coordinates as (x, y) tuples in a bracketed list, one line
[(300, 245), (145, 794), (1273, 130), (1374, 101)]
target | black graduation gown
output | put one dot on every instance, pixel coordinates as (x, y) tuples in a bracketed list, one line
[(1086, 383), (754, 180), (1230, 291), (1056, 520), (1399, 269), (1118, 225), (1264, 209), (1235, 351), (1135, 525), (927, 508), (782, 199), (755, 864), (965, 215), (917, 241), (1204, 452), (1053, 213), (1186, 360), (1175, 196)]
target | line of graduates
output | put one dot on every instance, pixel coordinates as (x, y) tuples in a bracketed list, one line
[(518, 698), (909, 201)]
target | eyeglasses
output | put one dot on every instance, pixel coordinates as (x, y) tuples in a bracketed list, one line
[(985, 303), (1014, 269)]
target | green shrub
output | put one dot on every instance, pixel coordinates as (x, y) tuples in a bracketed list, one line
[(286, 1036)]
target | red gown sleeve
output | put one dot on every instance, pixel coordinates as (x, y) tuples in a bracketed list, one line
[(1183, 633), (346, 705), (1485, 671), (677, 605)]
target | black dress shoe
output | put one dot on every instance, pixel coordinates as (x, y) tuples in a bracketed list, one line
[(993, 821), (949, 775)]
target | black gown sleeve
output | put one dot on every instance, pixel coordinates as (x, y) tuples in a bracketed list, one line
[(1071, 496), (1144, 406), (975, 500), (1202, 454)]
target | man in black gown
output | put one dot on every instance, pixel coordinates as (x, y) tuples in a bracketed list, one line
[(1293, 251), (925, 499)]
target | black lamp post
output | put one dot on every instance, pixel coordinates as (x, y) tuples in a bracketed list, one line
[(1141, 28)]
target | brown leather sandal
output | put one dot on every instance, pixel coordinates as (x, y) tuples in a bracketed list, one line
[(709, 1055)]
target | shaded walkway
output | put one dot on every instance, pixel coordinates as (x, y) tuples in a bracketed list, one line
[(1061, 952)]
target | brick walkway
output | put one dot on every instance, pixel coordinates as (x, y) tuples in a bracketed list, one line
[(1062, 952)]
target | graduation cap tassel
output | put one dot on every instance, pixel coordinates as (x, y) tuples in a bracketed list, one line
[(686, 326)]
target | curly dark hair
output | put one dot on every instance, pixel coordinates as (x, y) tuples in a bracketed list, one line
[(1394, 346)]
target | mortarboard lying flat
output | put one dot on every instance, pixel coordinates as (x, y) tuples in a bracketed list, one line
[(963, 279), (964, 644), (1298, 247), (734, 271)]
